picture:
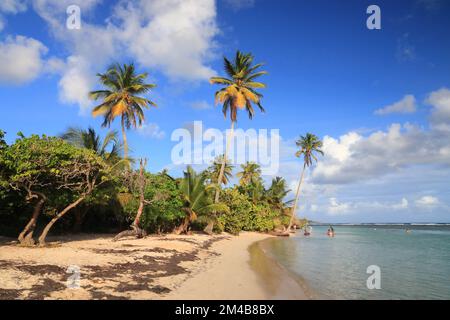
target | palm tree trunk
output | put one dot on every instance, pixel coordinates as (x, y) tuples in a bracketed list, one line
[(296, 198), (124, 137), (222, 168)]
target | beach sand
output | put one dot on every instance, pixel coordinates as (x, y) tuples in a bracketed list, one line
[(156, 267)]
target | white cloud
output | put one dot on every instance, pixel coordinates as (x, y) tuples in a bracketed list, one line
[(402, 205), (201, 105), (406, 105), (151, 130), (12, 6), (175, 37), (336, 208), (362, 173), (21, 59), (427, 201), (440, 114), (76, 82), (354, 157)]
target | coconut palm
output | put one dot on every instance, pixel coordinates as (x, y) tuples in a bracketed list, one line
[(213, 171), (89, 139), (238, 92), (122, 98), (276, 193), (309, 145), (250, 174), (196, 198)]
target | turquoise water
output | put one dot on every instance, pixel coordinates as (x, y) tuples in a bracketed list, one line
[(413, 265)]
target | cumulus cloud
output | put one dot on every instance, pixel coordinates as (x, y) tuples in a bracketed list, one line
[(403, 161), (10, 7), (175, 37), (440, 113), (354, 157), (334, 207), (22, 59), (151, 130), (427, 201), (406, 105)]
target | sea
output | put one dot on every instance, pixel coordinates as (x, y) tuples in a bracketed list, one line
[(371, 261)]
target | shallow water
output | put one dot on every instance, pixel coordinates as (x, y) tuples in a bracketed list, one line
[(413, 265)]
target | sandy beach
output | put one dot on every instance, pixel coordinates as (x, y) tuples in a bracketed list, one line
[(157, 267)]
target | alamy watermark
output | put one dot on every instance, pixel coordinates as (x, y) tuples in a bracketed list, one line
[(73, 21), (374, 20), (374, 280), (198, 146), (73, 281)]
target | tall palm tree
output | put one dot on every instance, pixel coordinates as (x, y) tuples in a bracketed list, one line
[(309, 145), (89, 139), (213, 171), (196, 198), (122, 98), (238, 92), (251, 173)]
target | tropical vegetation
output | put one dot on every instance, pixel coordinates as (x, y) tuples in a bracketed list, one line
[(80, 181)]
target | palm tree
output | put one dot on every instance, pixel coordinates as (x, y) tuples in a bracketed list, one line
[(238, 92), (250, 174), (309, 145), (276, 193), (121, 98), (213, 171), (196, 198), (89, 139)]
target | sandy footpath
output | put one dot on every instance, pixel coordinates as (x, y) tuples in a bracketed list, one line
[(157, 267)]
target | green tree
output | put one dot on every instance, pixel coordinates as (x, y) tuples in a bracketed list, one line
[(276, 193), (82, 175), (250, 174), (109, 148), (309, 145), (213, 171), (239, 91), (196, 200), (122, 98)]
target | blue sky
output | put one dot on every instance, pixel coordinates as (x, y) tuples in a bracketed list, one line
[(328, 74)]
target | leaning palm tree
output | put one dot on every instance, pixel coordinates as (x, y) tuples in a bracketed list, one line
[(89, 139), (250, 174), (196, 198), (214, 169), (309, 145), (122, 98), (238, 92)]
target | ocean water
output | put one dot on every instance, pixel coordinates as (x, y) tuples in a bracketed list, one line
[(413, 265)]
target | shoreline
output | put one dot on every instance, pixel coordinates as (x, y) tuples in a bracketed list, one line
[(193, 267), (281, 283), (243, 271)]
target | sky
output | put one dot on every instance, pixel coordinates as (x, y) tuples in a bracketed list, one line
[(379, 99)]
